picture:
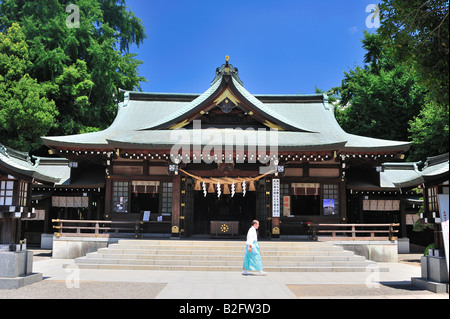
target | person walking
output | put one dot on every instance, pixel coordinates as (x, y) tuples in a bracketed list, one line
[(252, 259)]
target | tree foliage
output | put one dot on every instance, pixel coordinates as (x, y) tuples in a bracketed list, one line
[(25, 111), (417, 32), (371, 97), (429, 131), (401, 92), (81, 67)]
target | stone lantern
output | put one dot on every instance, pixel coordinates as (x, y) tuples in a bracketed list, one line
[(17, 174)]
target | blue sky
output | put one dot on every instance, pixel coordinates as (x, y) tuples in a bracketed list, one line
[(279, 47)]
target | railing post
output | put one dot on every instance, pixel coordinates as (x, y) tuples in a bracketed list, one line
[(353, 232), (96, 228), (136, 229), (313, 231), (311, 234)]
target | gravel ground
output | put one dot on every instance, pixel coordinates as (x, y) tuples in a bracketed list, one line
[(410, 259), (86, 290), (306, 291), (57, 289)]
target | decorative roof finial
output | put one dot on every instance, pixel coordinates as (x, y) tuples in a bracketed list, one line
[(227, 69)]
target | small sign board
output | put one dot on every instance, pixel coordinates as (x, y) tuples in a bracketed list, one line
[(275, 198), (146, 216)]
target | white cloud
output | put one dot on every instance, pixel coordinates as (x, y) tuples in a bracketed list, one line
[(353, 29)]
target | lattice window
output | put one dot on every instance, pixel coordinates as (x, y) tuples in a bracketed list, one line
[(120, 197), (432, 199), (23, 194), (166, 198), (6, 193)]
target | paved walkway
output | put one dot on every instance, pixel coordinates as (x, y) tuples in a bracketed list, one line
[(74, 283)]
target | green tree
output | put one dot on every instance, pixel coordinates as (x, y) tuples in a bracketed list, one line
[(373, 95), (25, 112), (417, 32), (83, 66), (429, 132)]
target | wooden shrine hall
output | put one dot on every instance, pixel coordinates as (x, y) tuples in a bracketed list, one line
[(202, 164)]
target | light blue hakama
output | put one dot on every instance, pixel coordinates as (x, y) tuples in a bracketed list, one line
[(252, 261)]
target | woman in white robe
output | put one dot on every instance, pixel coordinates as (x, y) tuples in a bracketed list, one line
[(252, 259)]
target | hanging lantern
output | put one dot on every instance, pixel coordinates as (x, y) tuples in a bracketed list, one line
[(251, 187), (197, 186), (226, 189)]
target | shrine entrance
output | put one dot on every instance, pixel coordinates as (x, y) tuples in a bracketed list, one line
[(224, 207), (239, 209)]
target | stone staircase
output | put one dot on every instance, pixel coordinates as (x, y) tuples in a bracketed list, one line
[(224, 256)]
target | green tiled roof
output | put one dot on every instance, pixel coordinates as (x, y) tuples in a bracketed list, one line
[(20, 163), (144, 119), (404, 175)]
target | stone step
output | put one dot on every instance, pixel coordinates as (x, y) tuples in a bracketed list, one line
[(229, 268), (347, 257), (224, 247), (195, 262), (219, 243), (236, 252), (223, 256)]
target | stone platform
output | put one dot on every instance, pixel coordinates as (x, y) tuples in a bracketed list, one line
[(222, 255)]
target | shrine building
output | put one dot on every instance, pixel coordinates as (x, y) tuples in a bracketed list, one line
[(190, 163)]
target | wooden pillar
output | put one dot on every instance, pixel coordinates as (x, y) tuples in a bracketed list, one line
[(402, 219), (108, 197), (48, 220), (343, 200), (176, 200), (145, 168), (89, 214)]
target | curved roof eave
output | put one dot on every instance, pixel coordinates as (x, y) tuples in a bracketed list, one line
[(358, 143), (23, 169)]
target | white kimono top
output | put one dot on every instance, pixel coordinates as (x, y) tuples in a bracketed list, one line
[(251, 236)]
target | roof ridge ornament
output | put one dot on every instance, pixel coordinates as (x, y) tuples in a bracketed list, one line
[(4, 150), (227, 69)]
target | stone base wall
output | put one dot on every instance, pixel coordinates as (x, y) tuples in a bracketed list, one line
[(74, 247), (379, 251), (16, 270)]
